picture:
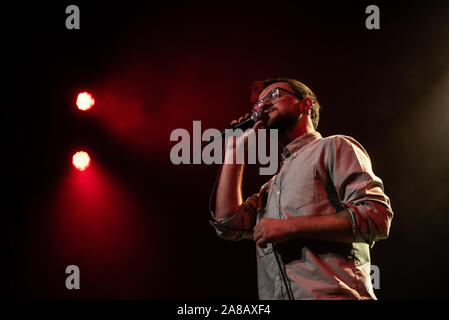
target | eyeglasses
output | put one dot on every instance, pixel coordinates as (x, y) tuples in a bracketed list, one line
[(272, 97)]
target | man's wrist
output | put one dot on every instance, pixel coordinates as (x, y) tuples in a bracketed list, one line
[(291, 227)]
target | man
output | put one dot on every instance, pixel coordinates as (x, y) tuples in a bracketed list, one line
[(316, 219)]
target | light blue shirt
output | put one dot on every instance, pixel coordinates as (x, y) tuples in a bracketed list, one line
[(319, 176)]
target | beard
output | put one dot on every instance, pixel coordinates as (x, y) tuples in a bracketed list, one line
[(281, 122)]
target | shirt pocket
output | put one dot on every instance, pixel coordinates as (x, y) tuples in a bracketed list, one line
[(298, 188)]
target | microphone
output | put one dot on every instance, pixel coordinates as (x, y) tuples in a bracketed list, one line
[(249, 122), (244, 125)]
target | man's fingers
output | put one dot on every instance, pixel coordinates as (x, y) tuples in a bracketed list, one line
[(256, 228), (258, 125), (256, 233), (246, 116), (261, 243)]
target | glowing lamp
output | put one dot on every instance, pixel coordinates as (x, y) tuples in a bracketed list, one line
[(85, 101), (81, 160)]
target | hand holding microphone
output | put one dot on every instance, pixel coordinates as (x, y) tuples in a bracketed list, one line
[(244, 123), (248, 121), (255, 121)]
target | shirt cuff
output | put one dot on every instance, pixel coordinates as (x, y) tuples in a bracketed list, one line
[(232, 227)]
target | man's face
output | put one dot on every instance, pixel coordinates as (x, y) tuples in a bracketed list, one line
[(283, 113)]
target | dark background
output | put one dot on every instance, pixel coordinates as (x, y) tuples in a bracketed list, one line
[(137, 225)]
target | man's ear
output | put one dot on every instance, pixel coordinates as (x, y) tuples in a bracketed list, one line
[(306, 104)]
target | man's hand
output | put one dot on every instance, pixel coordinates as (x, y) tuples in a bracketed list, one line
[(243, 139), (270, 230)]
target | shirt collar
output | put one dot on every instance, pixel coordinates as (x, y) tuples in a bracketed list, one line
[(297, 144)]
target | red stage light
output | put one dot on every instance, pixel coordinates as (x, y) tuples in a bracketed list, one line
[(81, 160), (85, 101)]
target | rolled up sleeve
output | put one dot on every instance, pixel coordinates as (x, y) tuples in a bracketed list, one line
[(240, 225), (360, 191)]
